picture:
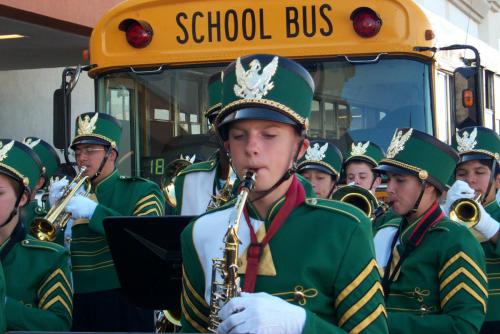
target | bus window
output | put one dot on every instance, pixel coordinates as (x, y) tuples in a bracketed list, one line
[(352, 102)]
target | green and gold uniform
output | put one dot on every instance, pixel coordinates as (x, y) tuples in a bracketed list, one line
[(3, 321), (38, 298), (434, 272), (93, 268), (320, 259), (492, 255), (479, 143), (332, 265), (38, 290), (99, 303)]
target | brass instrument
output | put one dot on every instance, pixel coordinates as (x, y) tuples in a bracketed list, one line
[(361, 198), (227, 267), (466, 211), (46, 228), (165, 322), (225, 194), (168, 179)]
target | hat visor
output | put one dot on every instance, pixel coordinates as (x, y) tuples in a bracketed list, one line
[(252, 113), (14, 177), (316, 167), (358, 158), (89, 141), (385, 169), (474, 156)]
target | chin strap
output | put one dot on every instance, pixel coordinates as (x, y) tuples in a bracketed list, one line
[(417, 203), (290, 171), (490, 182), (103, 162), (14, 211)]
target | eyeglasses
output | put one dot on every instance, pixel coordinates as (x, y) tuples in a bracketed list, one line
[(86, 151)]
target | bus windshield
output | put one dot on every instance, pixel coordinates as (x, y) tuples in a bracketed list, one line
[(162, 112)]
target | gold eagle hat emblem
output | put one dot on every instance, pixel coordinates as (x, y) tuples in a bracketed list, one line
[(255, 82), (398, 143), (467, 142), (4, 149), (86, 125), (316, 153), (29, 142), (359, 148)]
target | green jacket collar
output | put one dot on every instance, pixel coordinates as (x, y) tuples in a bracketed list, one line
[(107, 183), (493, 207), (406, 229), (272, 212)]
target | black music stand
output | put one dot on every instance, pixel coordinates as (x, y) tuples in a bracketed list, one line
[(147, 256)]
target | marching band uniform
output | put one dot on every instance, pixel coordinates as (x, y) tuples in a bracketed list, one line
[(317, 274), (37, 274), (323, 157), (3, 321), (99, 302), (197, 184), (482, 144), (434, 278)]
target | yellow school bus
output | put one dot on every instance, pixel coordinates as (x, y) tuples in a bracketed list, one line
[(373, 64)]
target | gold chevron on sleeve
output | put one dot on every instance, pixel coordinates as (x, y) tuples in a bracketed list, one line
[(369, 319), (150, 203), (146, 198), (55, 300), (191, 290), (153, 210), (466, 258), (52, 289), (193, 323), (51, 276), (467, 273), (356, 282), (360, 303), (193, 307), (468, 289)]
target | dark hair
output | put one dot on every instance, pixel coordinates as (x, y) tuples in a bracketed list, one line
[(487, 163)]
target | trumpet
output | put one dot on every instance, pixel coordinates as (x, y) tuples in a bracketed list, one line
[(46, 228), (466, 211), (361, 198)]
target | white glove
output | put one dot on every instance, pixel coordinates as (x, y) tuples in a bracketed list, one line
[(487, 226), (458, 190), (81, 207), (261, 313), (56, 190)]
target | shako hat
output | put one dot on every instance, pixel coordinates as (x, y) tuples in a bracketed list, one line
[(365, 151), (323, 156), (47, 154), (417, 153), (19, 162), (477, 143), (97, 128), (265, 87)]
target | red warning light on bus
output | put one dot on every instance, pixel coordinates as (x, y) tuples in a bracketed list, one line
[(138, 33), (366, 22)]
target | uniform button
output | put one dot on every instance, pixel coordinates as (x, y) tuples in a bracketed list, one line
[(299, 296)]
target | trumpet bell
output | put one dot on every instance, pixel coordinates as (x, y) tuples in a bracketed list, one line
[(168, 179), (358, 196), (465, 211), (43, 230)]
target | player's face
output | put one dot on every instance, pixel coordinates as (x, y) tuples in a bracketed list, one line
[(8, 197), (403, 191), (477, 176), (360, 173), (264, 147), (321, 182)]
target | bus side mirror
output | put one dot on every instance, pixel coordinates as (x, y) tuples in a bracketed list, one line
[(61, 122), (467, 111)]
